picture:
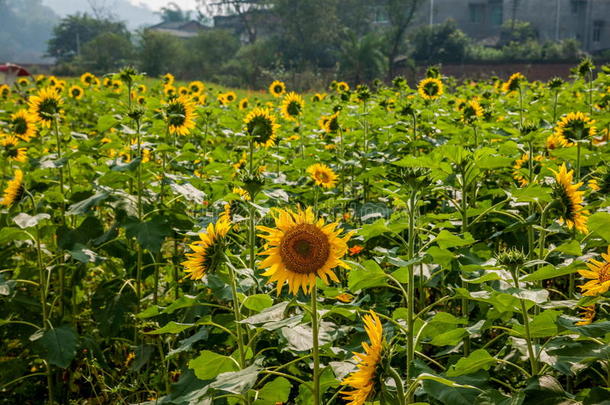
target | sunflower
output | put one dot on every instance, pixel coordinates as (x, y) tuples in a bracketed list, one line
[(587, 315), (141, 100), (520, 163), (318, 97), (207, 250), (342, 87), (301, 248), (45, 105), (117, 86), (23, 82), (200, 99), (141, 88), (14, 190), (12, 150), (292, 106), (168, 79), (222, 99), (277, 88), (183, 91), (241, 163), (430, 88), (230, 96), (180, 115), (574, 127), (330, 123), (513, 83), (241, 192), (261, 125), (243, 104), (471, 112), (571, 200), (23, 125), (53, 81), (196, 87), (5, 91), (598, 275), (76, 92), (87, 79), (107, 82), (322, 175), (555, 141), (364, 380)]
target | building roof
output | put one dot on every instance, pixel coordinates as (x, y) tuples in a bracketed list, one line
[(182, 29)]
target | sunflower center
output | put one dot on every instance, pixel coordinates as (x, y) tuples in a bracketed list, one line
[(278, 89), (48, 107), (604, 273), (322, 177), (294, 108), (20, 126), (177, 114), (304, 249), (431, 88)]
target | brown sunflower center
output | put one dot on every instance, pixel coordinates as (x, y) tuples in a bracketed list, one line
[(20, 125), (322, 177), (304, 249), (604, 273)]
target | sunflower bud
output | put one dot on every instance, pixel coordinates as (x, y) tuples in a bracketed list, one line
[(555, 83), (433, 72), (253, 183), (136, 113), (511, 258), (399, 82), (415, 177), (585, 67)]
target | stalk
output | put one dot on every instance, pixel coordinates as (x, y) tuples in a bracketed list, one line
[(315, 350), (526, 324), (411, 292), (464, 230), (43, 304), (237, 314), (399, 386)]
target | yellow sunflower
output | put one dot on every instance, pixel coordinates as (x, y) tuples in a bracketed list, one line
[(45, 105), (88, 79), (117, 86), (471, 112), (5, 91), (524, 162), (23, 82), (241, 163), (168, 79), (277, 88), (180, 115), (318, 97), (23, 125), (301, 248), (169, 91), (260, 124), (430, 88), (292, 106), (200, 99), (571, 199), (598, 275), (587, 315), (513, 83), (243, 104), (241, 192), (76, 92), (230, 96), (330, 123), (364, 379), (12, 150), (141, 88), (342, 87), (555, 141), (574, 127), (107, 82), (196, 87), (14, 190), (183, 91), (207, 251), (322, 175)]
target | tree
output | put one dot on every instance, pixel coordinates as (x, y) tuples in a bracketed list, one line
[(246, 10), (208, 51), (173, 13), (439, 43), (73, 31), (400, 14), (160, 53), (106, 52), (361, 58)]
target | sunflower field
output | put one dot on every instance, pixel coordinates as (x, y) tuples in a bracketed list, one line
[(439, 242)]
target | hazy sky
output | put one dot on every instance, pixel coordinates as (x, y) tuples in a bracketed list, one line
[(157, 4)]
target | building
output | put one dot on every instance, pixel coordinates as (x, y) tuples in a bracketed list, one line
[(180, 29), (587, 21)]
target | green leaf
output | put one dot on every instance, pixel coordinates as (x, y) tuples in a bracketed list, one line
[(593, 330), (449, 338), (258, 302), (277, 390), (208, 365), (237, 382), (542, 325), (550, 271), (60, 345), (377, 228), (82, 207), (599, 223), (570, 248), (150, 234), (446, 239), (477, 360), (105, 122), (368, 275), (25, 221), (171, 327), (441, 256), (531, 193), (8, 235)]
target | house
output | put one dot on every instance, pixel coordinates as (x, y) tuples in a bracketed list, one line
[(180, 29)]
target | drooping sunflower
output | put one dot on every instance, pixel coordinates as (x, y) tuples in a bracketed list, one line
[(292, 106), (45, 105), (598, 275), (243, 104), (23, 125), (322, 175), (12, 150), (180, 113), (207, 251), (366, 378), (301, 248), (513, 83), (521, 163), (87, 79), (342, 87), (14, 190), (196, 87), (430, 88), (168, 79), (471, 112), (571, 200), (587, 315), (76, 92), (277, 88), (260, 124), (574, 127), (318, 97)]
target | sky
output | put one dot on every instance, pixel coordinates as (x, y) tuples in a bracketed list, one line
[(157, 4)]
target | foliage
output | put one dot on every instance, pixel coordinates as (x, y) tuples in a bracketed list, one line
[(443, 43)]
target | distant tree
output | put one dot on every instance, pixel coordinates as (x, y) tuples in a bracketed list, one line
[(439, 43), (208, 51), (106, 52), (361, 59), (517, 31), (173, 13), (74, 31), (400, 15), (244, 9), (160, 53)]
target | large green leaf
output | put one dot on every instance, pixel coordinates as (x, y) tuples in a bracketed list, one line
[(599, 223), (237, 382), (367, 275), (60, 345), (477, 360), (208, 365), (275, 391), (542, 325), (150, 234)]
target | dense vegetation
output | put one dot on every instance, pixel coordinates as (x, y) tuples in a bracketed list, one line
[(159, 242)]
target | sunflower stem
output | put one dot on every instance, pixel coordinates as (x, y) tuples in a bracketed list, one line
[(464, 230), (237, 314), (315, 350), (43, 288), (399, 385), (411, 290), (526, 324)]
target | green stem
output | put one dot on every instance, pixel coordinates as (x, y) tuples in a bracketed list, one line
[(399, 386), (237, 314), (464, 230), (526, 324), (315, 350), (43, 305), (411, 290)]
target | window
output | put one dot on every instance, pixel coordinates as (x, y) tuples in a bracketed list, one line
[(598, 27), (477, 13), (496, 12)]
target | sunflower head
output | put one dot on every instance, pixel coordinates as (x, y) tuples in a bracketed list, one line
[(208, 252), (169, 91), (430, 88), (523, 161), (277, 88), (23, 82), (168, 79), (598, 275), (570, 200), (342, 87), (513, 83), (45, 106), (180, 115), (76, 92), (300, 249), (261, 126), (87, 79), (399, 82), (14, 191), (584, 68), (5, 91), (23, 125), (556, 83), (12, 150), (471, 112), (330, 123), (366, 380), (575, 127), (512, 259), (183, 91), (243, 104), (141, 88), (196, 87), (322, 175), (292, 106)]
